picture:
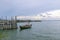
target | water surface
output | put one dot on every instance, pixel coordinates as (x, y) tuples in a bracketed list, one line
[(45, 30)]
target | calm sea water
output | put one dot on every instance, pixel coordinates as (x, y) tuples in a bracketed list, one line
[(45, 30)]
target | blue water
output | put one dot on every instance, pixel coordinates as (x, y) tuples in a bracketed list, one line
[(45, 30)]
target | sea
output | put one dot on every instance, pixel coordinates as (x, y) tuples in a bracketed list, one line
[(44, 30)]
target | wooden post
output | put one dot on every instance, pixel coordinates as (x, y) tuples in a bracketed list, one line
[(10, 22), (2, 22), (16, 21), (6, 23)]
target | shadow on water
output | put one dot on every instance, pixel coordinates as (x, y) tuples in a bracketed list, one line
[(24, 29)]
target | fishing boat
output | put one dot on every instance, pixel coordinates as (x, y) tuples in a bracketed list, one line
[(26, 26)]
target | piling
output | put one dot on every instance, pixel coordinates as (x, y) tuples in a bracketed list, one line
[(6, 24)]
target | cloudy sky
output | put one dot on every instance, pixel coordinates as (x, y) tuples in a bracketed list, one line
[(28, 7), (50, 15)]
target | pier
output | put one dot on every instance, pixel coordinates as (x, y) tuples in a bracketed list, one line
[(7, 23)]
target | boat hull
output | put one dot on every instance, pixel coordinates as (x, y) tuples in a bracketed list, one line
[(25, 26)]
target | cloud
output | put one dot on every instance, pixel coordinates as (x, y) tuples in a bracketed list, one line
[(27, 7), (50, 15), (28, 17)]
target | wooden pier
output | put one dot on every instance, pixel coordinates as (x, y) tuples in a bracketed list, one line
[(11, 23), (6, 24)]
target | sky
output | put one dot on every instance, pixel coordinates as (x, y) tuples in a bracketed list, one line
[(28, 7), (50, 15)]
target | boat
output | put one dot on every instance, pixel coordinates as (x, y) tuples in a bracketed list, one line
[(26, 26)]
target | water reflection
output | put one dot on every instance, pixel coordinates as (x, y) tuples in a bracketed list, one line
[(47, 30), (3, 34)]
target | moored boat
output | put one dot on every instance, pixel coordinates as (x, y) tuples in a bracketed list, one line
[(26, 26)]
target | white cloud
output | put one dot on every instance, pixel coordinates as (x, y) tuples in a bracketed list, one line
[(50, 15), (28, 17), (25, 7)]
